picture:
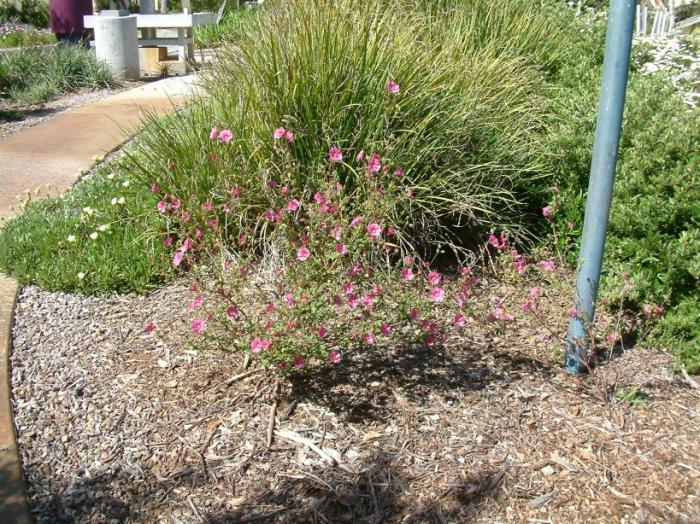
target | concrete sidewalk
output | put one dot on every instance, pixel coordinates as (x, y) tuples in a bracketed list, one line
[(53, 153)]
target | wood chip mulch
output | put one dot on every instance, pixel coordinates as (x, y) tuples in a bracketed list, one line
[(118, 425)]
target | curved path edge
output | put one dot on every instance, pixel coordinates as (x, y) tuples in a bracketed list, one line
[(54, 152)]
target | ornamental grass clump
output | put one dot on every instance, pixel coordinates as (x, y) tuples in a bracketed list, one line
[(454, 105)]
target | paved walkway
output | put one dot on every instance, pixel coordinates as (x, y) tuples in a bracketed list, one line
[(54, 152)]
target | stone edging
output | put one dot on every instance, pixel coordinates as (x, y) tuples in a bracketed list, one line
[(14, 507)]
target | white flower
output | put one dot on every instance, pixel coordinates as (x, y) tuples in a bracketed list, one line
[(81, 275), (125, 183), (114, 201), (110, 176), (71, 238), (93, 235), (121, 200), (88, 210), (103, 227)]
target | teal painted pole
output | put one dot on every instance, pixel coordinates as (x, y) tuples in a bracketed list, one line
[(618, 45)]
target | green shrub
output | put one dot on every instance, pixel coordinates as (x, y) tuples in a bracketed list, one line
[(50, 243), (34, 12), (653, 243), (227, 31), (35, 75), (462, 127), (26, 39)]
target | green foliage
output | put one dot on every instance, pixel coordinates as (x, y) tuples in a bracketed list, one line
[(39, 248), (653, 242), (227, 31), (34, 12), (463, 126), (26, 39), (35, 75)]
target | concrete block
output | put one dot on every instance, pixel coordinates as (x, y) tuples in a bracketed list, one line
[(116, 42)]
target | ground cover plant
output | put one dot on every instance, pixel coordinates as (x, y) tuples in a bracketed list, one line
[(94, 239), (31, 76), (32, 12)]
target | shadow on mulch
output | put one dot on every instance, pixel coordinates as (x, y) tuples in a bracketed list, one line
[(366, 386), (374, 495)]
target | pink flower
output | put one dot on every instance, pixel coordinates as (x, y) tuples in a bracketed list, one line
[(547, 211), (226, 136), (293, 205), (162, 206), (430, 341), (208, 206), (374, 164), (348, 288), (548, 266), (434, 278), (407, 274), (408, 260), (236, 192), (322, 332), (385, 329), (374, 230), (337, 300), (279, 132), (520, 264), (393, 87), (270, 215), (299, 362), (459, 320), (341, 248), (535, 292), (398, 171), (187, 244), (360, 156), (647, 310), (318, 197), (413, 313), (232, 311), (149, 327), (369, 338), (226, 208), (303, 253), (334, 356), (197, 302), (527, 305), (175, 203), (335, 154), (177, 258), (214, 133), (369, 299), (198, 233), (572, 312), (258, 345), (409, 194), (199, 325), (356, 220), (353, 300), (168, 241), (155, 188), (437, 294), (289, 136), (570, 225), (304, 239)]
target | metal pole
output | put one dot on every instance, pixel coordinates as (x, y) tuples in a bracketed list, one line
[(607, 139)]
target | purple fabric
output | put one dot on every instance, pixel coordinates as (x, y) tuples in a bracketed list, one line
[(67, 16)]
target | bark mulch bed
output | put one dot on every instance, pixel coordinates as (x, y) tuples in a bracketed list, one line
[(117, 425)]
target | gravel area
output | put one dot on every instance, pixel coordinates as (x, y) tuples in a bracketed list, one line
[(28, 116), (119, 425)]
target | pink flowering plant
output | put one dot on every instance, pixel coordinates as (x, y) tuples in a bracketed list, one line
[(328, 277)]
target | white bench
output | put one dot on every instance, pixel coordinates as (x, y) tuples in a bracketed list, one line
[(182, 22)]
